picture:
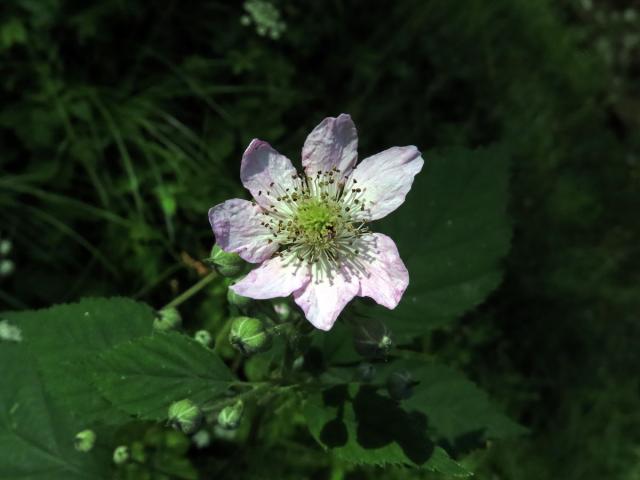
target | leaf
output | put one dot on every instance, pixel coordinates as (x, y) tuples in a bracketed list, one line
[(459, 413), (362, 426), (36, 436), (451, 233), (144, 376), (64, 338)]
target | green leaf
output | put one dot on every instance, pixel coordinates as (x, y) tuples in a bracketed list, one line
[(360, 425), (65, 338), (451, 233), (36, 435), (144, 376), (460, 414)]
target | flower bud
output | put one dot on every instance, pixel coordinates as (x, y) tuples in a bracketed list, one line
[(372, 338), (249, 336), (185, 416), (283, 310), (230, 416), (7, 267), (203, 337), (9, 332), (84, 441), (365, 372), (167, 319), (137, 452), (5, 247), (121, 455), (226, 264), (202, 439), (400, 385), (238, 300)]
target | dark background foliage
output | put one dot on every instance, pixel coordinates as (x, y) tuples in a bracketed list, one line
[(122, 122)]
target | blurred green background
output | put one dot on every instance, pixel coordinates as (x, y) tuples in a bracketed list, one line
[(122, 122)]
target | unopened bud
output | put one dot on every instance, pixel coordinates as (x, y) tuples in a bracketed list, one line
[(230, 416), (167, 319), (372, 338), (365, 372), (282, 309), (202, 439), (238, 300), (249, 336), (7, 267), (5, 247), (84, 441), (121, 455), (185, 416), (226, 264), (203, 337), (400, 385), (137, 452)]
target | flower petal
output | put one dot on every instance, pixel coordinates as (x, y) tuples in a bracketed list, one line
[(333, 143), (236, 225), (276, 277), (266, 173), (322, 300), (385, 179), (384, 277)]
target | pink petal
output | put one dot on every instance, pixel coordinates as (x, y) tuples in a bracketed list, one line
[(276, 277), (322, 299), (266, 173), (236, 225), (386, 178), (333, 143), (383, 275)]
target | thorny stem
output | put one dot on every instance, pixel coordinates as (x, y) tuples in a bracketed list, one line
[(187, 294)]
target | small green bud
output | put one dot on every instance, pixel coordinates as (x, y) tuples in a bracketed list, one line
[(245, 20), (84, 441), (5, 247), (249, 336), (185, 416), (121, 455), (9, 332), (167, 319), (226, 264), (137, 452), (282, 309), (7, 267), (372, 338), (238, 300), (230, 416), (400, 385), (203, 338), (365, 372), (176, 441), (202, 439)]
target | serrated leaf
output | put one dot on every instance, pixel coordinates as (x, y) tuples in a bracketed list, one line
[(459, 413), (36, 435), (451, 232), (360, 425), (64, 338), (144, 376)]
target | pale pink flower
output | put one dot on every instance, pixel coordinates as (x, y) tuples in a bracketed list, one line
[(308, 231)]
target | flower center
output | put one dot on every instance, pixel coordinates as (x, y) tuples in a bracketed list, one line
[(315, 221)]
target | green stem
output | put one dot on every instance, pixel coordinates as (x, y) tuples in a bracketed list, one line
[(187, 294)]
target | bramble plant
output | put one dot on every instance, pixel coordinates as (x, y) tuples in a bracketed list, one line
[(100, 367)]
